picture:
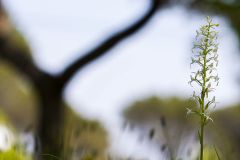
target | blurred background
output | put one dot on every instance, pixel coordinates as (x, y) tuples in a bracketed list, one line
[(125, 101)]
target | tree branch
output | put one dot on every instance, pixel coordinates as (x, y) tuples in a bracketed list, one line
[(108, 44)]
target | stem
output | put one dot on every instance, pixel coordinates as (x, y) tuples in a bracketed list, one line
[(201, 140), (203, 95), (203, 110), (203, 107)]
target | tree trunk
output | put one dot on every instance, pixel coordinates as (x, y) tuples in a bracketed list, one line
[(51, 120)]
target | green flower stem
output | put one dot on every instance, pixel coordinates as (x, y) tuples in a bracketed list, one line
[(203, 119), (206, 60)]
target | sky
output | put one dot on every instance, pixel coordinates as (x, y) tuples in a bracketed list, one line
[(153, 62)]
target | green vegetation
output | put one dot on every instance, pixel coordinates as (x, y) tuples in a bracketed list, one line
[(84, 138), (210, 154), (14, 85), (206, 59), (14, 154)]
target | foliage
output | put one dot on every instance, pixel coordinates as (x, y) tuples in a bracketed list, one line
[(153, 108), (3, 118), (14, 154), (85, 139), (15, 86)]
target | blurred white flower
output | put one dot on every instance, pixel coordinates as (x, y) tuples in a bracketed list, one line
[(28, 142), (6, 138)]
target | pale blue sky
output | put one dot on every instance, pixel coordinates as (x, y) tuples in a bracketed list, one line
[(153, 62)]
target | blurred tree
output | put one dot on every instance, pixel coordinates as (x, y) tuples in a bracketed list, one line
[(164, 122), (159, 120), (226, 123), (49, 88)]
